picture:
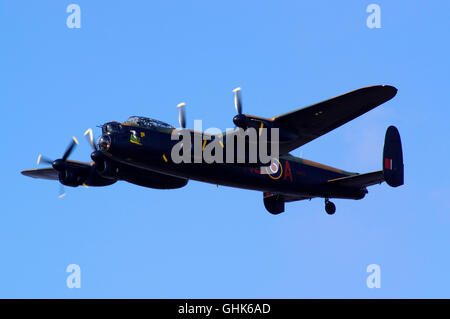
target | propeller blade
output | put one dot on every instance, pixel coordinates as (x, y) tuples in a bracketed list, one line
[(44, 159), (90, 137), (62, 192), (237, 100), (182, 115), (70, 149)]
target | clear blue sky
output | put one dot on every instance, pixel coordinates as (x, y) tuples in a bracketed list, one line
[(143, 58)]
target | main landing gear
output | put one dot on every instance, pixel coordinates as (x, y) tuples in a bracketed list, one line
[(330, 208)]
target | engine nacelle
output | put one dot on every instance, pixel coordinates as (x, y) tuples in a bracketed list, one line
[(153, 179), (104, 166), (108, 169), (72, 176)]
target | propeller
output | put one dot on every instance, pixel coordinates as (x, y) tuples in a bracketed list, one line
[(182, 114), (90, 137), (59, 164), (97, 155), (240, 120)]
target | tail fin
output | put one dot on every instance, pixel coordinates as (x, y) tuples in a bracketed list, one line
[(393, 158)]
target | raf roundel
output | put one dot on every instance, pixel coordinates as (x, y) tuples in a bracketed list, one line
[(275, 170)]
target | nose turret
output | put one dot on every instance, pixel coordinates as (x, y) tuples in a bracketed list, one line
[(104, 143)]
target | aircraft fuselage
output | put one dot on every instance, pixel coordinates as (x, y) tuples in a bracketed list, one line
[(150, 149)]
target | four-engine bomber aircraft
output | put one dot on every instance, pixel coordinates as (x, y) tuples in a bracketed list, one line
[(139, 151)]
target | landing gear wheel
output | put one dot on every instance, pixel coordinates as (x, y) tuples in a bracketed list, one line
[(330, 208)]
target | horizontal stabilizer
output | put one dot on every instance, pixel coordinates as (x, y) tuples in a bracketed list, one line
[(392, 172), (358, 181)]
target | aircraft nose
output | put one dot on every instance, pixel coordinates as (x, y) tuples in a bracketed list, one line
[(104, 143)]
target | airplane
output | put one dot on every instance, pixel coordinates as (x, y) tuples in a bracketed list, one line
[(139, 151)]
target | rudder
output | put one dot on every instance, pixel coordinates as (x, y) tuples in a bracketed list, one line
[(393, 158)]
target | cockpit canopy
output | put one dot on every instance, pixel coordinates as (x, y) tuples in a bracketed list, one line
[(146, 122)]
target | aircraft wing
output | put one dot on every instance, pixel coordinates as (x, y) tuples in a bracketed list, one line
[(42, 173), (316, 120), (358, 181), (50, 173)]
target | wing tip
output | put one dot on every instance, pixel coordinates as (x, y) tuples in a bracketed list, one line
[(24, 172), (390, 90), (28, 172), (41, 173), (384, 92)]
